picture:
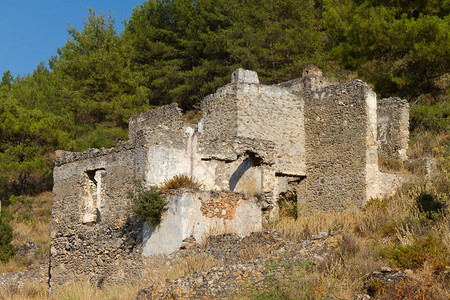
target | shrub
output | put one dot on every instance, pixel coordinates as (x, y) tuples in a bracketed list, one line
[(413, 256), (431, 208), (376, 287), (147, 205), (21, 207), (180, 181), (6, 249), (375, 204), (288, 204)]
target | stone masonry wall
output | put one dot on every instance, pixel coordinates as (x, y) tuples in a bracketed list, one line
[(165, 117), (337, 124), (307, 83), (393, 127), (245, 117), (219, 125), (274, 114), (92, 232)]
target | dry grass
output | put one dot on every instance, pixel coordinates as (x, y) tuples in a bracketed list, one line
[(30, 290), (34, 228), (82, 289), (390, 164), (383, 224), (426, 143), (192, 117), (180, 181)]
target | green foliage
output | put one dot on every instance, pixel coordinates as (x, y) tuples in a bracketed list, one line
[(21, 207), (147, 204), (6, 249), (180, 181), (101, 137), (184, 50), (26, 137), (398, 51), (431, 208), (432, 117), (429, 249)]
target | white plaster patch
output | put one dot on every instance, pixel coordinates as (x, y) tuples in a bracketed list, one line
[(184, 219), (165, 163)]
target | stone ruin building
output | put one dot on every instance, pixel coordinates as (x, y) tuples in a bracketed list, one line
[(311, 139)]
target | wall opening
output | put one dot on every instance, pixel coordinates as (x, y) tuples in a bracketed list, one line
[(292, 195), (93, 195)]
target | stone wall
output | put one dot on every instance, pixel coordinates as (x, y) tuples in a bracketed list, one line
[(192, 216), (271, 113), (246, 117), (167, 117), (92, 232), (341, 150), (393, 127), (307, 83)]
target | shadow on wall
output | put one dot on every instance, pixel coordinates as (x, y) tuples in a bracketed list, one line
[(240, 171)]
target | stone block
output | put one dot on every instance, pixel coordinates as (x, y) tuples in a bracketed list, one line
[(244, 76)]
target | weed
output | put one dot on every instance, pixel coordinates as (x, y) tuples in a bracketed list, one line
[(288, 205), (376, 287), (192, 117), (180, 181), (376, 204), (390, 163)]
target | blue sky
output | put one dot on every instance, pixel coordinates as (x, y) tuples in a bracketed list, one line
[(31, 31)]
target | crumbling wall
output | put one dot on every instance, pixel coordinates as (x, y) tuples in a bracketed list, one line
[(192, 216), (168, 117), (308, 82), (274, 114), (341, 150), (92, 232), (393, 127), (259, 126)]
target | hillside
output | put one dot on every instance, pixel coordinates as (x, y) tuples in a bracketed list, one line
[(180, 51)]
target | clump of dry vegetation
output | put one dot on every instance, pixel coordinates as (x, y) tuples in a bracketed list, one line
[(180, 181), (390, 164)]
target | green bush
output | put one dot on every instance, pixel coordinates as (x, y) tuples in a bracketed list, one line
[(429, 207), (430, 116), (6, 249), (376, 287), (430, 249), (147, 204)]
